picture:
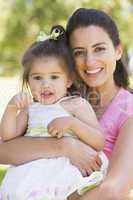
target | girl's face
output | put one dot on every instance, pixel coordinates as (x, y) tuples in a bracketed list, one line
[(95, 55), (48, 80)]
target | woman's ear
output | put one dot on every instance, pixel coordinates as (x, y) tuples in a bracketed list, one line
[(119, 51)]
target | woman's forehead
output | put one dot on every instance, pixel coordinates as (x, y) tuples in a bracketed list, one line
[(89, 35)]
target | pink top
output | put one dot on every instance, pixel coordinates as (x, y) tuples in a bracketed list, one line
[(119, 110)]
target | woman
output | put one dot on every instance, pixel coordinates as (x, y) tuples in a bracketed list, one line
[(95, 42), (96, 47)]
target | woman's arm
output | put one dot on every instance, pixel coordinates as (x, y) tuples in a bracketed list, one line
[(24, 149), (119, 179)]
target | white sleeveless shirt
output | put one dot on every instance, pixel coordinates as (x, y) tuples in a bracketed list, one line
[(40, 115)]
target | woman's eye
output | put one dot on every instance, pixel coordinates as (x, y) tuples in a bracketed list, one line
[(99, 49), (54, 77), (79, 53)]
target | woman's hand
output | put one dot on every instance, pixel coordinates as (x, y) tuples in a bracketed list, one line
[(108, 190), (82, 156)]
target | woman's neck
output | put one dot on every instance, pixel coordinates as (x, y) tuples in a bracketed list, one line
[(104, 96), (107, 94)]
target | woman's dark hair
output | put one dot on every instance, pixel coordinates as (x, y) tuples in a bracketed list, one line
[(56, 45), (84, 17)]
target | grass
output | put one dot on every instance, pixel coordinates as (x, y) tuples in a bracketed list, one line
[(3, 169)]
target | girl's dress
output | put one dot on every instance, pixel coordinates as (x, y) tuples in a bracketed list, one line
[(47, 179)]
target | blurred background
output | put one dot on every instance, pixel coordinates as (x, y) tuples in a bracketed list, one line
[(22, 20)]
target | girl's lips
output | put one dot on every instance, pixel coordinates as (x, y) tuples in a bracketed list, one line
[(93, 71), (46, 94)]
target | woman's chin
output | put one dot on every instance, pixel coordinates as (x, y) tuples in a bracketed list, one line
[(94, 84)]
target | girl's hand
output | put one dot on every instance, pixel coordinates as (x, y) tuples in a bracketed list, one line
[(20, 101), (59, 126), (82, 156)]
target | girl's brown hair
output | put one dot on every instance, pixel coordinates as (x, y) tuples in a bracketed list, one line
[(57, 47)]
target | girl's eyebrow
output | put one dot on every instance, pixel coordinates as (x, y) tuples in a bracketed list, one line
[(34, 74), (55, 72), (40, 74)]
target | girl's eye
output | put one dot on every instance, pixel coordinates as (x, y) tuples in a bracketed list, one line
[(99, 49), (54, 77), (37, 77)]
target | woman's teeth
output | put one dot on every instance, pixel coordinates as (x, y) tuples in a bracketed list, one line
[(94, 71)]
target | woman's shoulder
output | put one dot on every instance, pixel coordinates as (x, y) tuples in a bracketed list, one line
[(125, 99), (122, 107), (122, 98)]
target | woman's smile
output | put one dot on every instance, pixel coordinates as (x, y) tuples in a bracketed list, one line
[(93, 71)]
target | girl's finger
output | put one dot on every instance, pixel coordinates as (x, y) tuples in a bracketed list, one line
[(50, 128), (59, 135), (54, 133)]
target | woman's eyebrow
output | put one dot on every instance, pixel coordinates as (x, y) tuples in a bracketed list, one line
[(75, 48), (95, 45), (98, 44)]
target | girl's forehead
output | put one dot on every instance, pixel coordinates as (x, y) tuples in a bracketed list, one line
[(47, 64)]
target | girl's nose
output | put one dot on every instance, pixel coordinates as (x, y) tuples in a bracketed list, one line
[(45, 83)]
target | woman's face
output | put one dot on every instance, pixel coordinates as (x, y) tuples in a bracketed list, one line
[(95, 55)]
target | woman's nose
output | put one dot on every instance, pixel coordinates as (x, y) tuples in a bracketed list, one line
[(90, 59)]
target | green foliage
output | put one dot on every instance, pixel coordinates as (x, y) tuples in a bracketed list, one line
[(21, 21), (2, 172), (26, 19)]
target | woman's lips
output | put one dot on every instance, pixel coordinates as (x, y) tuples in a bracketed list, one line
[(93, 71)]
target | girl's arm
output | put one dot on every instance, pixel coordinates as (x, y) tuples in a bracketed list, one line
[(12, 124), (8, 123), (84, 123)]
